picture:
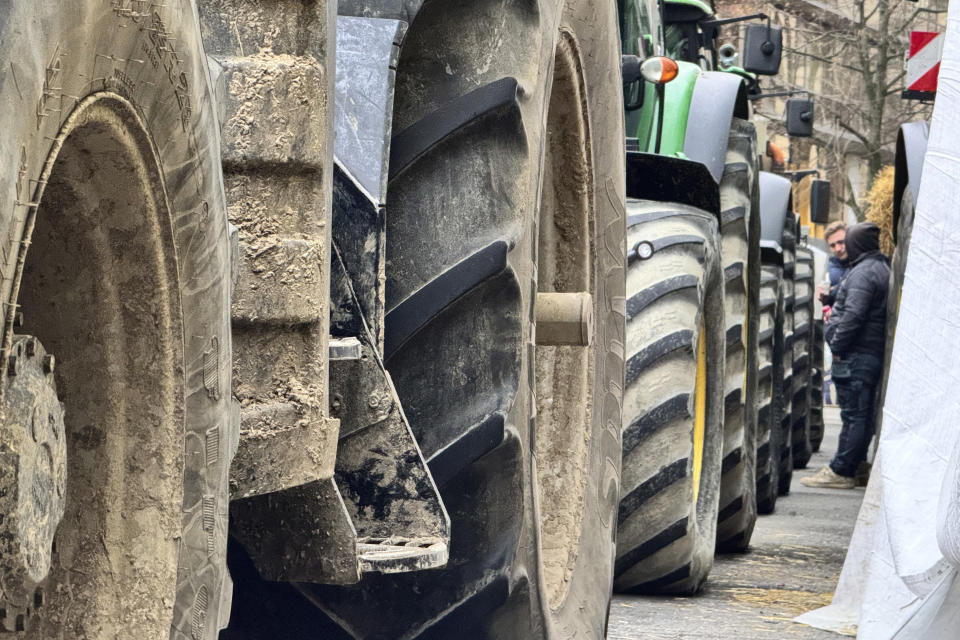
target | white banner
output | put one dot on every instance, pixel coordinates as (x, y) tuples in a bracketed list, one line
[(900, 578)]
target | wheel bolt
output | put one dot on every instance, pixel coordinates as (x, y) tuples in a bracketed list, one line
[(49, 363)]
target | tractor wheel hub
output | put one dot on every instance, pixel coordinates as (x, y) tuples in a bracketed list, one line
[(33, 471)]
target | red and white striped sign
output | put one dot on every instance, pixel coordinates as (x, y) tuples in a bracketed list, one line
[(923, 63)]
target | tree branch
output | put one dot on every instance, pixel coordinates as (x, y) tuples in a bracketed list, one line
[(895, 81), (859, 136), (851, 199)]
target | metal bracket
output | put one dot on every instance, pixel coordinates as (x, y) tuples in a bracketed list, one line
[(380, 513), (380, 471)]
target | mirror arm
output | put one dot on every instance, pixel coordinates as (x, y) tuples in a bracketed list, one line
[(799, 175), (709, 27), (718, 23), (778, 94)]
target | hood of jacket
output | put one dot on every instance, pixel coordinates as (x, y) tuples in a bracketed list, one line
[(862, 238)]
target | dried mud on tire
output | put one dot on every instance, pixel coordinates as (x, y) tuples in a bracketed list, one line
[(110, 134)]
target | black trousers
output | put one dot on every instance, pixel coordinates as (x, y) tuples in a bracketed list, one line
[(856, 395)]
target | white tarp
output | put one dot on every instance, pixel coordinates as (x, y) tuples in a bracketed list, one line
[(900, 578)]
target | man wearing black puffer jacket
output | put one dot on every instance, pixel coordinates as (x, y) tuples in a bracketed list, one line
[(856, 334)]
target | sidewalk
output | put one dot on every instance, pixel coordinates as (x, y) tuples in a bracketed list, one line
[(795, 558)]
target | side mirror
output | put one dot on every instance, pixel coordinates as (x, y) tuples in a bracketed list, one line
[(762, 47), (800, 117), (820, 201)]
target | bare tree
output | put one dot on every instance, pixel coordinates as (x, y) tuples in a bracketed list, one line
[(850, 54), (872, 45)]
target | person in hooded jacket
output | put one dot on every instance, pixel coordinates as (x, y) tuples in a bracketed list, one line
[(856, 333)]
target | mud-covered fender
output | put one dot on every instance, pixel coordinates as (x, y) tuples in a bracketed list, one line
[(651, 176), (367, 51), (911, 147), (367, 54), (776, 200), (717, 98)]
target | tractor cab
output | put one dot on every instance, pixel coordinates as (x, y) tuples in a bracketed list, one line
[(640, 28), (683, 37)]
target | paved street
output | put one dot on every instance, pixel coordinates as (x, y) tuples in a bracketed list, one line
[(795, 558)]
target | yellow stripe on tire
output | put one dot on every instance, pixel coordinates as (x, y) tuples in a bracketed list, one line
[(700, 410)]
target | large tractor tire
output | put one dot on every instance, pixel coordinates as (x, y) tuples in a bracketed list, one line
[(770, 375), (740, 237), (803, 289), (116, 291), (673, 402), (816, 387), (784, 357), (506, 183)]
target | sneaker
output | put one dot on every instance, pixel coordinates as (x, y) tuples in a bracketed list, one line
[(826, 478)]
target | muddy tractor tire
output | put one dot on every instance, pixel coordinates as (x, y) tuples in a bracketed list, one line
[(816, 387), (673, 401), (506, 186), (784, 358), (116, 291), (769, 440), (740, 236), (803, 289)]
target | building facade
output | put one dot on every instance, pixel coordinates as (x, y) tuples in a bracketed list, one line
[(850, 56)]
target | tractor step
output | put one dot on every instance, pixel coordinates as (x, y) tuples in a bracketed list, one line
[(399, 555)]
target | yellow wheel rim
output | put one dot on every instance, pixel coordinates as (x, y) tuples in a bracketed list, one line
[(699, 410)]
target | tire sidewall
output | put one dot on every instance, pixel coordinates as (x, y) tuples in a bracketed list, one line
[(54, 57), (770, 428), (593, 27)]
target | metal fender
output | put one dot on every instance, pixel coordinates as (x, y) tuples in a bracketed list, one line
[(717, 98), (776, 200), (911, 147), (404, 10), (652, 176)]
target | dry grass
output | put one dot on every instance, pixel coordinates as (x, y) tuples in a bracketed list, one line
[(791, 602), (880, 207)]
